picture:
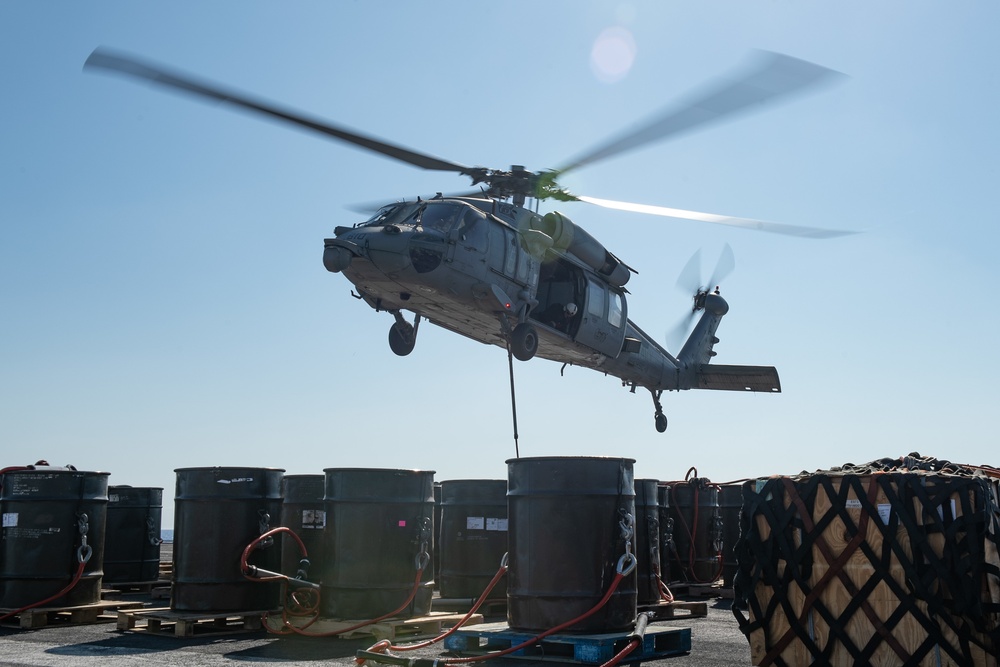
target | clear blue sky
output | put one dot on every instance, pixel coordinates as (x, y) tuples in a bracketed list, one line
[(163, 301)]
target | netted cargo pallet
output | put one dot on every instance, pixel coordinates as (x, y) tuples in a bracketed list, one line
[(893, 563)]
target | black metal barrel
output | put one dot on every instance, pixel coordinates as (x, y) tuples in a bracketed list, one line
[(304, 512), (730, 506), (218, 512), (694, 505), (53, 520), (380, 527), (667, 546), (647, 542), (132, 539), (473, 536), (566, 541)]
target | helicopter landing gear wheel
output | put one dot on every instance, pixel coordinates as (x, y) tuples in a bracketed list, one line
[(661, 422), (524, 341), (659, 419), (402, 338)]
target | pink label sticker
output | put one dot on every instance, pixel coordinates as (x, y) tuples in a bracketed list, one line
[(402, 523)]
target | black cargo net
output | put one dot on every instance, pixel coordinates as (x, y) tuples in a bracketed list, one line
[(897, 557)]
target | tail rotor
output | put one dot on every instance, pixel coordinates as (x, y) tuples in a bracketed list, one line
[(690, 282)]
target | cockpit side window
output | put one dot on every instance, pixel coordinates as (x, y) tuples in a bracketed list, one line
[(440, 217), (472, 230)]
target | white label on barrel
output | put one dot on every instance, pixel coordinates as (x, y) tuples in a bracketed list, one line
[(884, 510), (496, 524), (9, 519), (852, 504), (475, 522), (313, 519), (235, 480)]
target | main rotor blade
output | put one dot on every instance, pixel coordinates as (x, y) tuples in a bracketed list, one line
[(772, 76), (125, 64), (745, 223)]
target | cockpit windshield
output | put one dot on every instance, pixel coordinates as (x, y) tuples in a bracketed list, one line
[(391, 214), (431, 216)]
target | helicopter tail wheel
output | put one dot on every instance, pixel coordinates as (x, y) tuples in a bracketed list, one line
[(524, 341), (402, 338)]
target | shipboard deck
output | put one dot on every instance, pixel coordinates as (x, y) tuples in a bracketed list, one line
[(678, 609), (394, 628), (588, 649), (39, 617), (163, 621)]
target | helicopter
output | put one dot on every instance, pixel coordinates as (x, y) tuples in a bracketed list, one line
[(489, 266)]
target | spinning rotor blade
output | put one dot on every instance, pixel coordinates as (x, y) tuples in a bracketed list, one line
[(745, 223), (125, 64), (725, 266), (690, 282), (690, 278), (369, 208), (772, 76)]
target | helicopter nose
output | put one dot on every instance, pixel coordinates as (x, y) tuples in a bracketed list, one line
[(336, 259), (389, 252)]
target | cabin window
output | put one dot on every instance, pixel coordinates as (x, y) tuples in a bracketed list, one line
[(595, 298), (615, 310)]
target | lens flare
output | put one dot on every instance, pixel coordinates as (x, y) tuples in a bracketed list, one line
[(612, 55)]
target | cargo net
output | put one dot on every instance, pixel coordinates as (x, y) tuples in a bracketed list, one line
[(890, 563)]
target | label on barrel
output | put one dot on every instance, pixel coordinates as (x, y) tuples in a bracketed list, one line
[(475, 522), (235, 480), (9, 519), (313, 519), (496, 524)]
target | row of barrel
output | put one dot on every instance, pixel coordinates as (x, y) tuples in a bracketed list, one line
[(373, 537)]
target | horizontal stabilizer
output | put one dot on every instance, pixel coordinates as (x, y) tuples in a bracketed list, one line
[(739, 378)]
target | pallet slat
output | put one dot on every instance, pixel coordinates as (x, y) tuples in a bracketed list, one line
[(395, 628)]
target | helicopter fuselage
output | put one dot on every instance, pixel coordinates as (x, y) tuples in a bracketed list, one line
[(481, 268)]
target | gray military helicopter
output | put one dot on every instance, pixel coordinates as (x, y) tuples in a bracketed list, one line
[(487, 265)]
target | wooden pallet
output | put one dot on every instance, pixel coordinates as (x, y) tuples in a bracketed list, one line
[(678, 609), (489, 607), (164, 621), (715, 590), (392, 629), (589, 649), (104, 611), (131, 588)]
